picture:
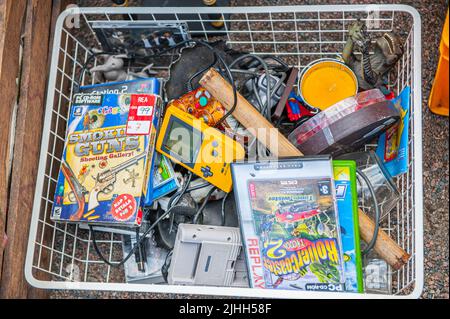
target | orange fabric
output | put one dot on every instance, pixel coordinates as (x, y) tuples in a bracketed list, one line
[(438, 101)]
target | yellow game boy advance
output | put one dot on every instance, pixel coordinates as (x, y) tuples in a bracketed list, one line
[(203, 150)]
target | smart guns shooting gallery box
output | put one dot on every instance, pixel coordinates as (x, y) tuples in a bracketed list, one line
[(106, 159)]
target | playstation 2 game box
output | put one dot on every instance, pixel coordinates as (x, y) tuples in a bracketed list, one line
[(106, 160)]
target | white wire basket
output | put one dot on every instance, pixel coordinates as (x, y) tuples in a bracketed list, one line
[(297, 34)]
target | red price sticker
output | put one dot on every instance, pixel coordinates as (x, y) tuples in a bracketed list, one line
[(140, 114), (143, 100), (123, 207)]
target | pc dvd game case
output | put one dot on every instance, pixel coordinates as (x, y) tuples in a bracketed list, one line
[(289, 224)]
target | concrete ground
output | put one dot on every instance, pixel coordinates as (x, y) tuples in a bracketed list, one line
[(435, 157)]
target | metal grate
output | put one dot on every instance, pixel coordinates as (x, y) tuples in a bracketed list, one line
[(298, 35)]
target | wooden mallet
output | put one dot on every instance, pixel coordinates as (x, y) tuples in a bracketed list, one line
[(280, 146)]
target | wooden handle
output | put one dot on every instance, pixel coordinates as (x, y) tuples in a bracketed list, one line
[(385, 247), (252, 120), (248, 116)]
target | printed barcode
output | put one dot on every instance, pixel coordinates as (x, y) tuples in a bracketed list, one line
[(57, 212)]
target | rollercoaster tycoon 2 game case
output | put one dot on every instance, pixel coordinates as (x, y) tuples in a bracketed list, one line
[(289, 224), (105, 163)]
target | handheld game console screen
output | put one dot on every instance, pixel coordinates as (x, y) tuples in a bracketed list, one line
[(182, 141)]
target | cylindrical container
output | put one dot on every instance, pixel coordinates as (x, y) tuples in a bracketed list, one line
[(325, 82)]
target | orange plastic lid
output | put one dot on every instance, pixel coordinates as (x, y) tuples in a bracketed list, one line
[(327, 82)]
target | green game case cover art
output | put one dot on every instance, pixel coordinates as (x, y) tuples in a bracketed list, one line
[(289, 224), (347, 204)]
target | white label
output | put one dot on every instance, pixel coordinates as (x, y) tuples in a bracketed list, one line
[(138, 127), (145, 111)]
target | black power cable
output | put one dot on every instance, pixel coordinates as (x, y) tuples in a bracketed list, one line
[(133, 250), (224, 199), (144, 235), (202, 207)]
